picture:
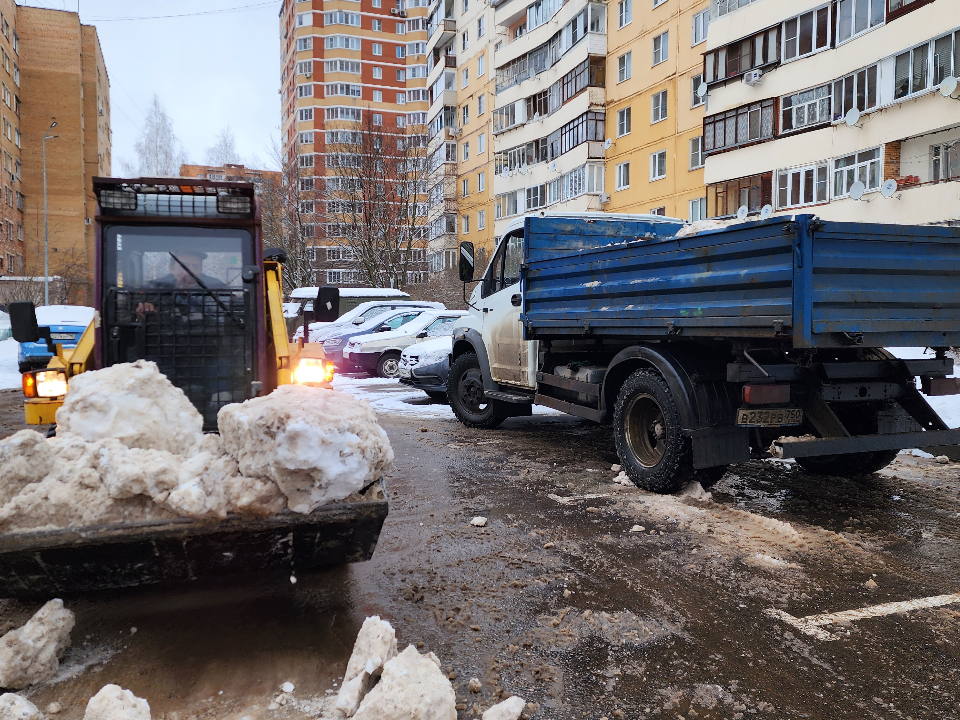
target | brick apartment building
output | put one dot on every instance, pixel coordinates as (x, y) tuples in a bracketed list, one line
[(261, 179)]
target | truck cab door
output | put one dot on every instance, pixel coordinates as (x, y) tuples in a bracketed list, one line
[(512, 359)]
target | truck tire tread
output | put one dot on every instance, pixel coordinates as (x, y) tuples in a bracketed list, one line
[(489, 417)]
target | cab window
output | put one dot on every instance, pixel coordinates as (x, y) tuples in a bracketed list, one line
[(504, 269)]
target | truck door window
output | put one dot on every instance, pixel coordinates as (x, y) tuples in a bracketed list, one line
[(491, 281), (511, 261)]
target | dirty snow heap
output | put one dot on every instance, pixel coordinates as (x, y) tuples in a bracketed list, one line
[(30, 654)]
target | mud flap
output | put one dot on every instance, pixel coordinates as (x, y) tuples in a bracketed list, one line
[(720, 446)]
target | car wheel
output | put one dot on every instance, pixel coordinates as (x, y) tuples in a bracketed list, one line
[(388, 366), (465, 393)]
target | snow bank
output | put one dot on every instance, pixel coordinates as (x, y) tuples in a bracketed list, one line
[(316, 445), (14, 707), (129, 448), (30, 654), (9, 372), (115, 703)]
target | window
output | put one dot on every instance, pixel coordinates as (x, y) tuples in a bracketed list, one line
[(465, 40), (402, 97), (305, 67), (695, 99), (481, 181), (305, 138), (305, 114), (305, 161), (943, 64), (346, 66), (661, 211), (377, 25), (402, 121), (339, 17), (520, 31), (466, 5), (505, 205), (945, 162), (623, 67), (857, 16), (863, 166), (481, 104), (343, 113), (401, 51), (304, 44), (698, 209), (739, 57), (466, 151), (746, 124), (536, 197), (481, 219), (658, 165), (377, 119), (401, 74), (481, 65), (805, 109), (858, 90), (623, 122), (342, 42), (377, 49), (378, 95), (910, 72), (465, 187), (304, 19), (895, 8), (699, 31), (480, 27), (376, 3), (658, 107), (481, 142), (660, 48), (465, 223), (624, 12), (401, 29), (802, 186), (696, 153), (304, 91), (623, 176), (343, 89), (464, 77), (465, 115), (806, 34)]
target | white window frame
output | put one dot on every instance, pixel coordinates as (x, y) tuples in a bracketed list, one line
[(378, 49), (695, 99), (624, 70), (813, 40), (872, 22), (659, 107), (655, 164), (481, 219), (377, 25), (623, 121), (841, 189), (464, 77), (623, 175), (481, 104), (624, 13), (481, 181), (698, 29), (378, 95), (481, 65), (696, 152), (697, 209), (465, 150), (661, 49), (821, 103), (481, 142), (465, 224), (789, 179)]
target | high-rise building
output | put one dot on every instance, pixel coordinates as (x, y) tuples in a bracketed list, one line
[(262, 179), (362, 65), (814, 107), (54, 71)]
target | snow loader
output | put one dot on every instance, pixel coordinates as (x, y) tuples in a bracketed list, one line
[(182, 279)]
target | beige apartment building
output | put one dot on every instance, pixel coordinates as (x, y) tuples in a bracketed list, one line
[(847, 109)]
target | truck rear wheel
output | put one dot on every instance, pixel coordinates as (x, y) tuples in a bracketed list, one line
[(650, 442), (465, 393), (848, 465)]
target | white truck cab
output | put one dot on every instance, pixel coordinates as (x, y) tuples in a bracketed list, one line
[(498, 377)]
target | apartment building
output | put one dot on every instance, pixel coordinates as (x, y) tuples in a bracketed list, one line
[(654, 163), (262, 179), (814, 106), (54, 70), (11, 209), (347, 64)]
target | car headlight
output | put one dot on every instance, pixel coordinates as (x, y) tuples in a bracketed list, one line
[(433, 356), (312, 371), (44, 384), (332, 342)]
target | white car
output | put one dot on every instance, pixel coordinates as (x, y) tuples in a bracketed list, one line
[(320, 331), (426, 365), (379, 353)]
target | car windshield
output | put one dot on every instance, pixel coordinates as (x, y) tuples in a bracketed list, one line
[(373, 312), (175, 257), (398, 320), (441, 326)]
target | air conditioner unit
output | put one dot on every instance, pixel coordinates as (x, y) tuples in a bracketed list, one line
[(88, 221), (394, 11), (403, 13), (456, 132), (308, 75), (753, 77), (604, 198)]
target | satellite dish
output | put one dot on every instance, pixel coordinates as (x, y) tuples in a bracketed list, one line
[(742, 212), (536, 116), (607, 143), (505, 173), (523, 169), (948, 87), (888, 188), (852, 117), (766, 212), (553, 166), (857, 190), (702, 90)]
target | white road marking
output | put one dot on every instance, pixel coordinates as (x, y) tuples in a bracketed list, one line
[(813, 624)]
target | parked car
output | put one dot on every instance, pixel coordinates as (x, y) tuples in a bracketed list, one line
[(426, 365), (385, 322), (379, 353), (66, 323), (320, 331)]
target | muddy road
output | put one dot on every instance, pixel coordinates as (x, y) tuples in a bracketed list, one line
[(561, 598)]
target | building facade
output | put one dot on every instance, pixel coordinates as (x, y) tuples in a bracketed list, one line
[(347, 66), (813, 106), (263, 180)]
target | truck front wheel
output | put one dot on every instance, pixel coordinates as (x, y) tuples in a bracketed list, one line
[(649, 438), (465, 393)]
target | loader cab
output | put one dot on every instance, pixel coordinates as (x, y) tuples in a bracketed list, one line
[(179, 284)]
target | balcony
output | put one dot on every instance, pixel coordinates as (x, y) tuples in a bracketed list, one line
[(441, 33)]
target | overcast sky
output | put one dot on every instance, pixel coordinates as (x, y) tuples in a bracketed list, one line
[(210, 70)]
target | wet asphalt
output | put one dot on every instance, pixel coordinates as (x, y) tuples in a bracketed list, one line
[(560, 599)]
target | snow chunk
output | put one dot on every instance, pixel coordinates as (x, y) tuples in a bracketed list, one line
[(30, 653), (115, 703), (700, 226), (376, 644), (411, 686), (695, 490), (14, 707), (317, 445), (509, 709), (132, 403)]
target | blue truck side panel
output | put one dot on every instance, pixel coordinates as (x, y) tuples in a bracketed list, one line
[(819, 284)]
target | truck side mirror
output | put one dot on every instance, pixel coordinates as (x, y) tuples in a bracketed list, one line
[(467, 262), (326, 308), (23, 322)]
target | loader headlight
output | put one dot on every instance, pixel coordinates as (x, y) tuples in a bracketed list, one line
[(44, 384), (311, 371)]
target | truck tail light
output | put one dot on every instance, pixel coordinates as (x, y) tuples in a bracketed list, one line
[(44, 384), (766, 394), (312, 371), (940, 386)]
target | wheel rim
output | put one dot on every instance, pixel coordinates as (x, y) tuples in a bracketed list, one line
[(470, 392), (390, 367), (645, 430)]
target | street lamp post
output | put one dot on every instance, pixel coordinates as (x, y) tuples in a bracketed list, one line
[(46, 247)]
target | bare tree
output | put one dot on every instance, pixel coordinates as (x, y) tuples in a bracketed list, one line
[(159, 151), (224, 150), (373, 200)]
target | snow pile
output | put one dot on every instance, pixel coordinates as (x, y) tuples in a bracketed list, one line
[(129, 448), (9, 372), (30, 654), (316, 445), (115, 703), (695, 228), (14, 707), (379, 684)]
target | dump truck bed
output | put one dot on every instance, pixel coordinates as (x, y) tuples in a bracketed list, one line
[(816, 283), (72, 561)]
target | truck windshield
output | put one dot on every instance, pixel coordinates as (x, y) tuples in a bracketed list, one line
[(175, 257)]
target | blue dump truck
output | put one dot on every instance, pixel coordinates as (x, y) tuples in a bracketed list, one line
[(702, 349)]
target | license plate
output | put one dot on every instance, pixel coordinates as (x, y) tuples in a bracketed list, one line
[(769, 418), (404, 372), (61, 336)]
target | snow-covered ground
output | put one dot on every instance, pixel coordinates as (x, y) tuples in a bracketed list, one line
[(9, 374)]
